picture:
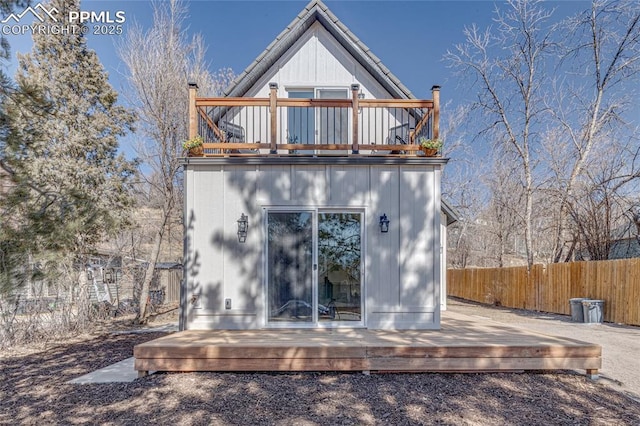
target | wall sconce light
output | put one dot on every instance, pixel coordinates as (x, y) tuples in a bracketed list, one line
[(384, 223), (360, 97), (243, 226)]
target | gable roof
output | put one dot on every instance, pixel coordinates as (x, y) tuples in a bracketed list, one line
[(317, 11)]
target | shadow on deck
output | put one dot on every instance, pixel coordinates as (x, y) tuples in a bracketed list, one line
[(464, 344)]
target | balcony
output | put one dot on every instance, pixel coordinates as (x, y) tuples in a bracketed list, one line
[(276, 126)]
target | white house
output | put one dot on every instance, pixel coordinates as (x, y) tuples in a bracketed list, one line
[(313, 205)]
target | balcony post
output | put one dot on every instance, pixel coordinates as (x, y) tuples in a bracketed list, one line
[(436, 111), (193, 111), (355, 88), (273, 111)]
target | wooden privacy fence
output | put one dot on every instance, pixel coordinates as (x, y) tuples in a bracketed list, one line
[(168, 281), (548, 288)]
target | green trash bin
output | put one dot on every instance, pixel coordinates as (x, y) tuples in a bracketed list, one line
[(577, 311), (593, 311)]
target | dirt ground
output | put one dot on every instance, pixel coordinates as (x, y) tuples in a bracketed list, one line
[(34, 389)]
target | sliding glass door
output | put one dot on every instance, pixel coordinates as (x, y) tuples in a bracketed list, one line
[(289, 267), (314, 268), (340, 266)]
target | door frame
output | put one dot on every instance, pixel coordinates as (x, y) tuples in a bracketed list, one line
[(315, 323)]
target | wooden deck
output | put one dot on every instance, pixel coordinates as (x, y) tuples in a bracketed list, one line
[(464, 344)]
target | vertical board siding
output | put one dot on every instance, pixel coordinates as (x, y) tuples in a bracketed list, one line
[(309, 186), (383, 249), (274, 185), (348, 185), (400, 279), (206, 257), (241, 261), (300, 62), (416, 237), (333, 63), (548, 288)]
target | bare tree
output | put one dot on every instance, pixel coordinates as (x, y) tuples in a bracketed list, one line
[(603, 51), (634, 213), (553, 127), (505, 208), (602, 198), (460, 179), (161, 61), (508, 69)]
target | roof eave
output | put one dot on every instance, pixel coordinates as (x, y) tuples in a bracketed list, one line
[(452, 215)]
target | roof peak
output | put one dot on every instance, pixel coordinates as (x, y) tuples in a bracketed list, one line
[(317, 11)]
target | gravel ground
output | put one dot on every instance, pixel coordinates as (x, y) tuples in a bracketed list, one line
[(34, 390)]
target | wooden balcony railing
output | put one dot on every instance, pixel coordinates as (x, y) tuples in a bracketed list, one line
[(279, 126)]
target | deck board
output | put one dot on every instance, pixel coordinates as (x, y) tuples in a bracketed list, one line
[(464, 343)]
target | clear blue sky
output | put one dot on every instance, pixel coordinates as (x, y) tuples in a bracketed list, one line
[(410, 37)]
